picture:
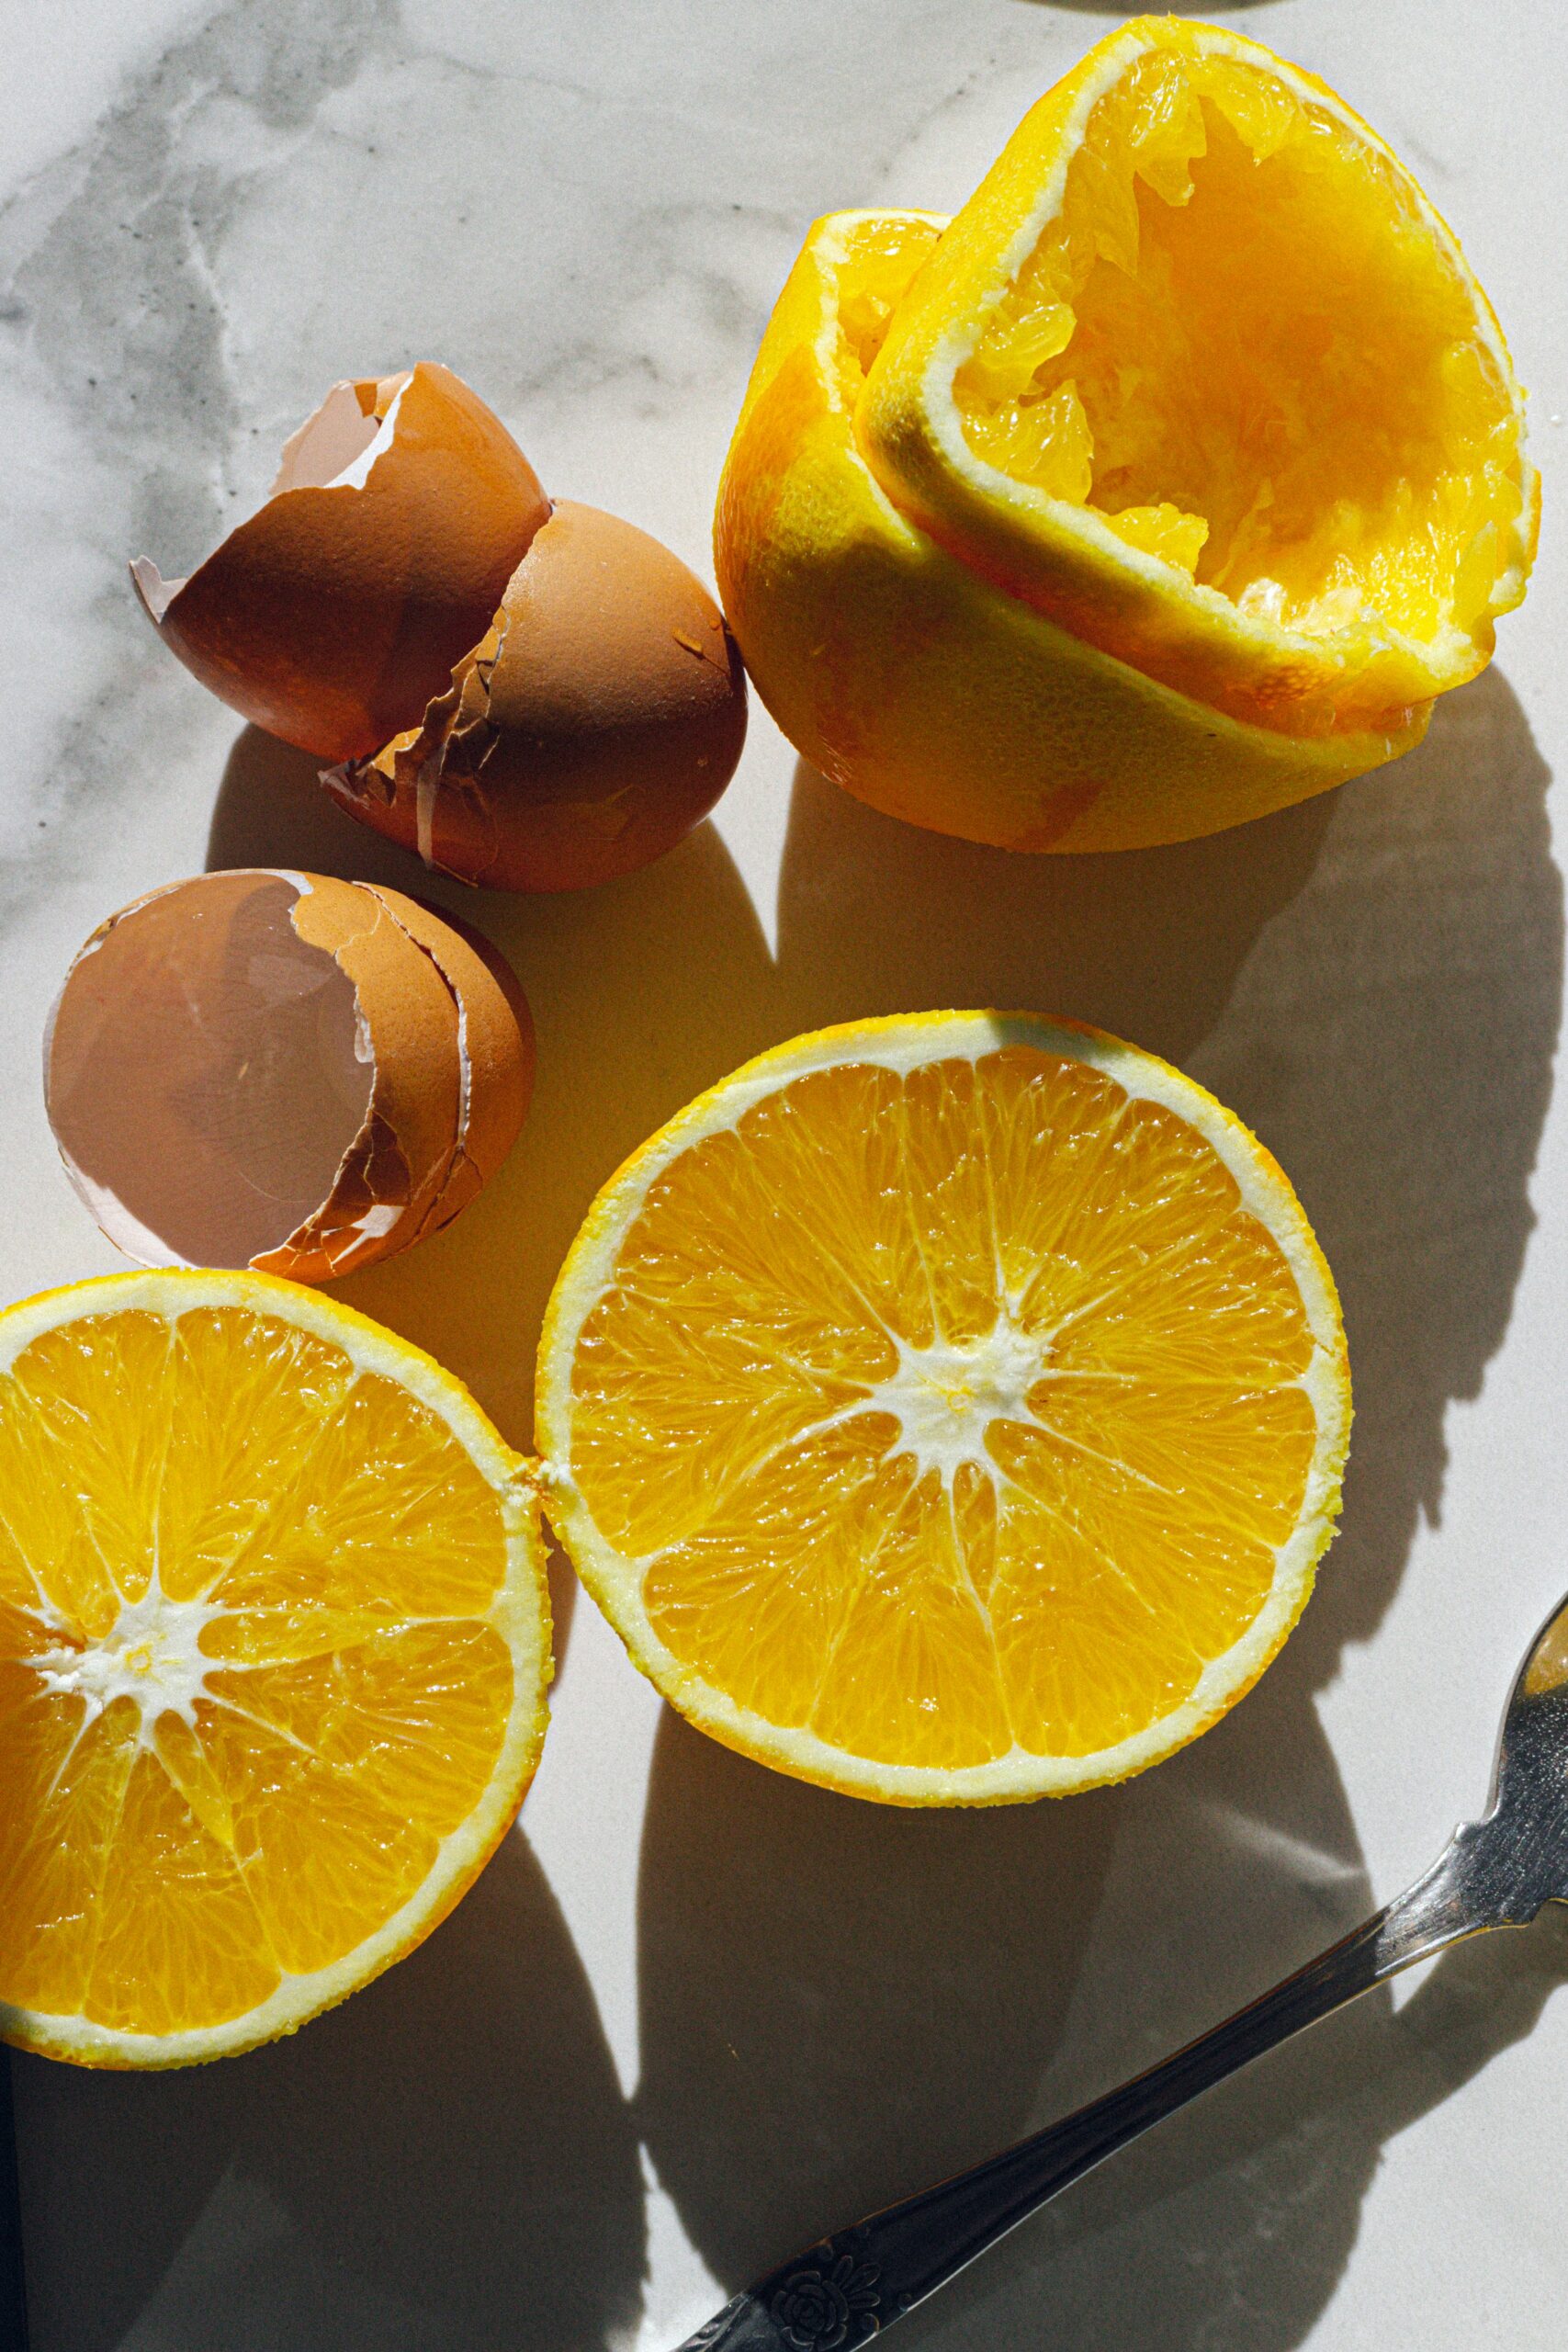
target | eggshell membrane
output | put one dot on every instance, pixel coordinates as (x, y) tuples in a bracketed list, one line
[(333, 615), (495, 1035), (397, 1167), (205, 1071), (178, 1105), (596, 723)]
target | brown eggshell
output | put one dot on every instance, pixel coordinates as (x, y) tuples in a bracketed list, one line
[(400, 511), (394, 1171), (596, 723), (282, 1071), (496, 1047)]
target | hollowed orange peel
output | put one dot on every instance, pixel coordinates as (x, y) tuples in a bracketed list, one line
[(1165, 484)]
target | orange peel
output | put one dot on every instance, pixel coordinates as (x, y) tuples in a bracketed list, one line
[(948, 1408), (1166, 484)]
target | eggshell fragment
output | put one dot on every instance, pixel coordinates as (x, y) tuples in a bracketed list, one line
[(400, 511), (596, 723), (493, 1016), (282, 1071)]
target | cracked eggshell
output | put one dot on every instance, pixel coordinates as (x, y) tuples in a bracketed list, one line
[(595, 724), (495, 1040), (283, 1071), (400, 511)]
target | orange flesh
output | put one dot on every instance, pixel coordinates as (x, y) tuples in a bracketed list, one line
[(809, 1550), (1241, 345), (326, 1556), (873, 280)]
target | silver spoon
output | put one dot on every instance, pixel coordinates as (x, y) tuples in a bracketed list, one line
[(1496, 1872)]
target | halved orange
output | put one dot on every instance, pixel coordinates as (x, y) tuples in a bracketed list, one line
[(948, 1408), (274, 1647), (1167, 483)]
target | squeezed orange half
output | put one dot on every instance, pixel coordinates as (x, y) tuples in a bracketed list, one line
[(1183, 467)]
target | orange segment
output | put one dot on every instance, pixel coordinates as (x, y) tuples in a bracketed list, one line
[(176, 1939), (949, 1408), (65, 1780), (275, 1646)]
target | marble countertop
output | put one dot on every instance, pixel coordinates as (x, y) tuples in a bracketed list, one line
[(693, 2013)]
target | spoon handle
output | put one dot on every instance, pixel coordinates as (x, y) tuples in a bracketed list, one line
[(852, 2286)]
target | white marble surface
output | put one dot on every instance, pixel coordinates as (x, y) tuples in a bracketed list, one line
[(693, 2013)]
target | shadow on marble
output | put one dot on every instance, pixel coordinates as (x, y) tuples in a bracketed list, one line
[(1392, 1040), (643, 992), (840, 2000), (271, 810), (1372, 979), (877, 916), (834, 2010), (810, 2053), (1227, 2229), (446, 2159)]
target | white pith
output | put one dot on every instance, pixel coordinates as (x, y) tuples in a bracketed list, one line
[(945, 1397), (914, 1392), (152, 1653)]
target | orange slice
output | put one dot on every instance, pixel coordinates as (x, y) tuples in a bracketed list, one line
[(949, 1408), (274, 1646), (1168, 483)]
